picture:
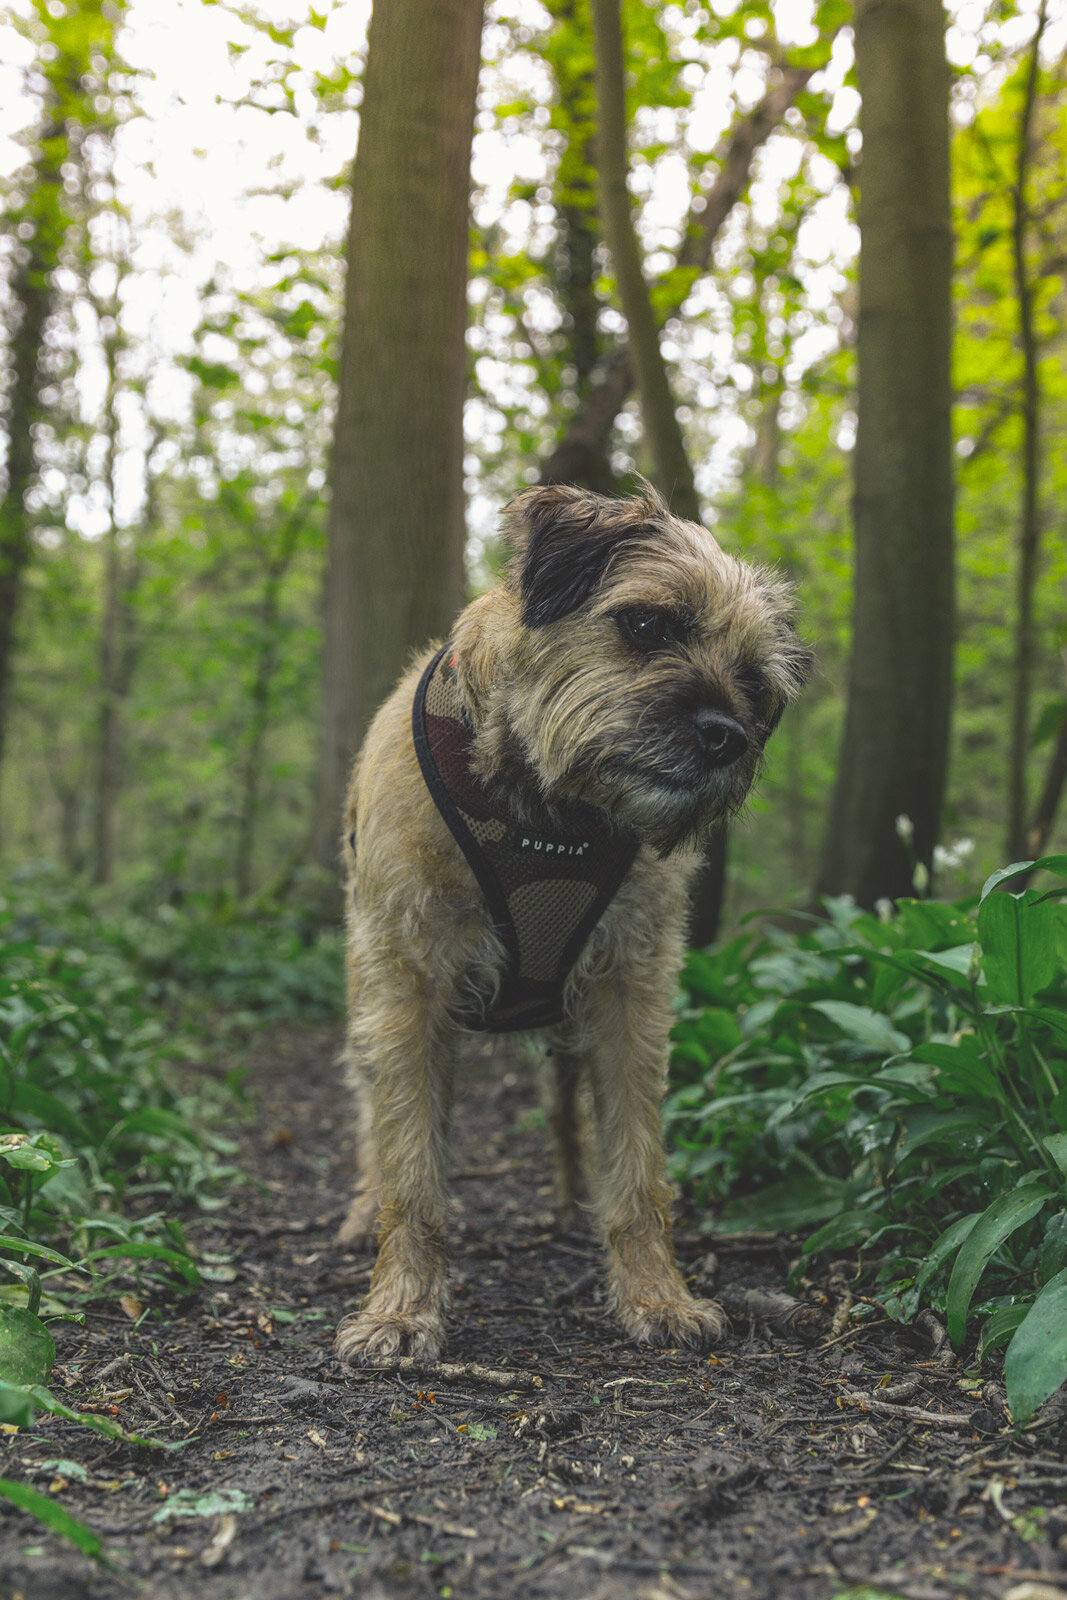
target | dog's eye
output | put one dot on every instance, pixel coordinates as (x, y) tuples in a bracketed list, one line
[(649, 627)]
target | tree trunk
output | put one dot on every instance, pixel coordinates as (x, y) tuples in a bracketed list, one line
[(1029, 512), (396, 529), (578, 232), (114, 628), (894, 752), (31, 298)]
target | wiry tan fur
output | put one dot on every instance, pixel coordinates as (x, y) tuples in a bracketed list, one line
[(561, 710)]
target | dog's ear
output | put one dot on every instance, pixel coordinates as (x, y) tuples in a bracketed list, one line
[(562, 541)]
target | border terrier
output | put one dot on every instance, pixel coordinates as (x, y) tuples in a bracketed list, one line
[(523, 820)]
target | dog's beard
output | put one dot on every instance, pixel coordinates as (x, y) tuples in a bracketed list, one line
[(667, 807)]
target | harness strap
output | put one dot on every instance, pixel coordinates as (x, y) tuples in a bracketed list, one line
[(545, 891)]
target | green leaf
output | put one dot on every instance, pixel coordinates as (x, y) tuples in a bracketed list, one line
[(867, 1027), (1007, 1213), (142, 1250), (46, 1510), (842, 1232), (1056, 1145), (27, 1247), (18, 1152), (1036, 1363), (30, 1277), (788, 1206), (998, 1328), (27, 1349), (1018, 937), (928, 1126), (1057, 864)]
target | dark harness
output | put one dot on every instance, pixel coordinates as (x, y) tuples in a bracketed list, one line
[(545, 890)]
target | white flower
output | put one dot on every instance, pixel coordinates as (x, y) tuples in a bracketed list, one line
[(905, 828)]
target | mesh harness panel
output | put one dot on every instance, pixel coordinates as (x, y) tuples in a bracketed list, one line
[(545, 891)]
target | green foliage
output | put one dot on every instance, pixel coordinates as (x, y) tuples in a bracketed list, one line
[(905, 1077), (106, 1129)]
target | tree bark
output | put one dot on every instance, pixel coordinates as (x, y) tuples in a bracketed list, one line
[(1029, 510), (894, 751), (578, 234), (31, 298), (395, 573)]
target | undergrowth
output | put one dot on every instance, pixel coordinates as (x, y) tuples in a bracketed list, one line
[(110, 1124), (904, 1080)]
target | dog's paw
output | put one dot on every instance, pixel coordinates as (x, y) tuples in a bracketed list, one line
[(359, 1229), (366, 1337), (699, 1324)]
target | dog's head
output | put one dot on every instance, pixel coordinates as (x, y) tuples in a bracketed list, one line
[(649, 668)]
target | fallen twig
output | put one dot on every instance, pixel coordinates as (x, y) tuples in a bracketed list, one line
[(885, 1408), (456, 1372)]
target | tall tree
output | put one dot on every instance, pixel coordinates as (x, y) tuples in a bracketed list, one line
[(1029, 509), (894, 752), (396, 532), (38, 215)]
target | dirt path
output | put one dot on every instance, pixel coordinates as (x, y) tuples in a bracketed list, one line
[(623, 1473)]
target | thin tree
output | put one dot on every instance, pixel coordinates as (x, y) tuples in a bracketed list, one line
[(1029, 508), (36, 231), (396, 527), (894, 751)]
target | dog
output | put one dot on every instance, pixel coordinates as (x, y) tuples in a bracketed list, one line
[(522, 823)]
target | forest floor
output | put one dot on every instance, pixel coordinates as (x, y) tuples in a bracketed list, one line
[(798, 1460)]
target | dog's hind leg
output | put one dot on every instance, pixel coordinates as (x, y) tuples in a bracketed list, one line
[(565, 1122), (360, 1224)]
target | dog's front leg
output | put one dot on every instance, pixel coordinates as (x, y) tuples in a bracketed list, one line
[(410, 1088), (626, 1024)]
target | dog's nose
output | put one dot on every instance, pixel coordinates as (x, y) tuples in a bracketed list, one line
[(722, 739)]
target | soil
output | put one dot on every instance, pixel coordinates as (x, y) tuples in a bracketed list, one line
[(811, 1455)]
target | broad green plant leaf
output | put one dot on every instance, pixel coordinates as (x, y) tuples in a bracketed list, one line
[(1056, 1145), (18, 1150), (1036, 1363), (998, 1328), (788, 1206), (1007, 1213), (53, 1516), (143, 1250), (930, 1126), (867, 1027), (27, 1349), (1018, 935), (1057, 864), (27, 1247)]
